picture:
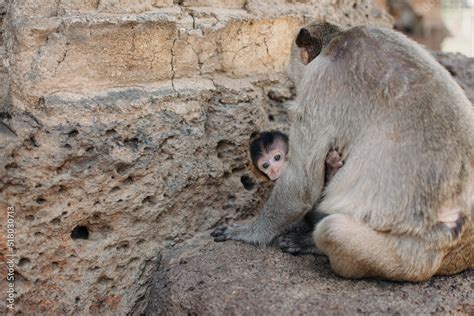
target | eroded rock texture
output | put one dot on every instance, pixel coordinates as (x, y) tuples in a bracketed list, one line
[(201, 277), (125, 133), (462, 70)]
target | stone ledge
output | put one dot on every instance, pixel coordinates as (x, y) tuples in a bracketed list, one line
[(76, 49), (51, 8), (79, 54), (206, 278), (133, 100)]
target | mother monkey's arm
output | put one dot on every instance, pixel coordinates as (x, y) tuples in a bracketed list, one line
[(294, 194)]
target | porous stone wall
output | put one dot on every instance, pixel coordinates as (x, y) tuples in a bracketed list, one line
[(124, 126)]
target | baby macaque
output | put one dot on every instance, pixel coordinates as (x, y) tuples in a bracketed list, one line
[(269, 151)]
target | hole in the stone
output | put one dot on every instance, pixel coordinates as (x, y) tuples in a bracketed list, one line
[(149, 200), (223, 147), (40, 200), (33, 141), (247, 182), (122, 168), (271, 117), (80, 232), (103, 279), (110, 132), (132, 142), (67, 146), (77, 299), (128, 181), (39, 234), (89, 150), (115, 189), (30, 217), (354, 6), (73, 133), (11, 166), (122, 247), (23, 262), (41, 102), (5, 115), (237, 169), (55, 221)]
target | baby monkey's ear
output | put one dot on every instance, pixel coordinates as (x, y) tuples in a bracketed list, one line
[(309, 47)]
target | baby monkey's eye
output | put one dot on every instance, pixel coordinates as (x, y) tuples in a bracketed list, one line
[(266, 165), (277, 157)]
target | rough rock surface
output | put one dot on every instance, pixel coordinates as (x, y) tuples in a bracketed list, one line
[(201, 277), (462, 70), (125, 133)]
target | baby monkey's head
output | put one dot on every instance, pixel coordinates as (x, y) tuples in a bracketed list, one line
[(268, 151)]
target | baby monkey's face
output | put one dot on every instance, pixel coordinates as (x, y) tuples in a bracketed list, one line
[(271, 162), (268, 152)]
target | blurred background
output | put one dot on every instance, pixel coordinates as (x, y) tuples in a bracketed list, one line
[(440, 25)]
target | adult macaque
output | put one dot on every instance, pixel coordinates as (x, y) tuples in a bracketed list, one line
[(269, 151), (401, 206)]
